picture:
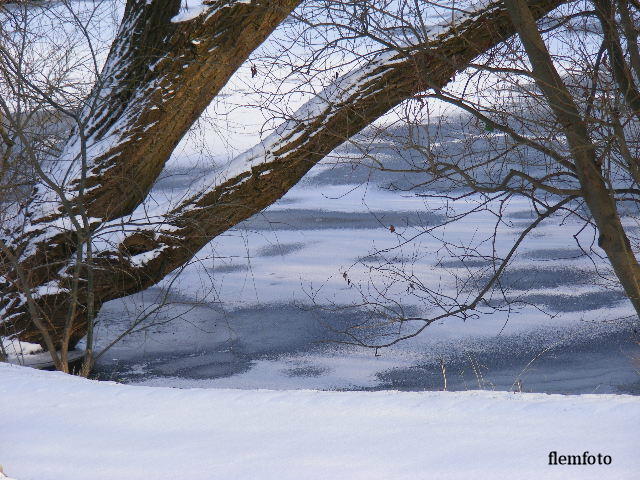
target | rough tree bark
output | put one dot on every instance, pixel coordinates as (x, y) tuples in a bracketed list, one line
[(158, 78), (598, 197), (621, 71), (252, 182)]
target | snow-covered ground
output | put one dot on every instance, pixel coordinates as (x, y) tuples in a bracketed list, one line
[(59, 427)]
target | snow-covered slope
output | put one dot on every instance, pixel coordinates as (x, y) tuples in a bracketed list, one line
[(60, 427)]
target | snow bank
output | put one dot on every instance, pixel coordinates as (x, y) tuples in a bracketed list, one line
[(16, 348), (60, 427), (3, 476)]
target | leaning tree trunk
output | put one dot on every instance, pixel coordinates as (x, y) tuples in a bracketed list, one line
[(253, 181), (598, 197), (158, 78)]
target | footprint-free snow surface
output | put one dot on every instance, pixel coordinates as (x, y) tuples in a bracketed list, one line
[(55, 427)]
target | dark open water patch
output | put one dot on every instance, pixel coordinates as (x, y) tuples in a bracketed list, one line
[(554, 254), (523, 215), (230, 268), (380, 258), (202, 365), (521, 280), (525, 278), (553, 362), (573, 365), (306, 219), (578, 303), (538, 278), (407, 166), (280, 249), (306, 371), (217, 343), (518, 282), (464, 263)]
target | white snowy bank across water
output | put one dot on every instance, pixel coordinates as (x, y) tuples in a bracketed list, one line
[(56, 427)]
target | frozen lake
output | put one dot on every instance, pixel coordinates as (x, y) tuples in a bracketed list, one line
[(267, 305)]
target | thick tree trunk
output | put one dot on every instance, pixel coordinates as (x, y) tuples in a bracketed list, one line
[(262, 175), (158, 78), (599, 199), (621, 71)]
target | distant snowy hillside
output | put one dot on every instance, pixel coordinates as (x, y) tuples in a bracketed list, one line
[(57, 427)]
